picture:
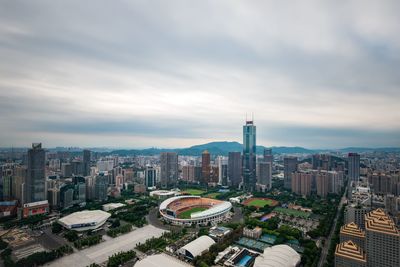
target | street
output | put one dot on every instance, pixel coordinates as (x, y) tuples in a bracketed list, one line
[(327, 243)]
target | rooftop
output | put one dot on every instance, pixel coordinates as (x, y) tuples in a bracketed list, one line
[(84, 217), (351, 251), (378, 221), (352, 229)]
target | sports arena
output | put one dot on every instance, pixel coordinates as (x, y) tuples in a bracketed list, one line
[(188, 210)]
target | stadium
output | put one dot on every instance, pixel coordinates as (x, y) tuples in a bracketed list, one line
[(188, 210)]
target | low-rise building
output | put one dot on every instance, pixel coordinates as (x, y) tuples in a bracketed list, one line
[(252, 233)]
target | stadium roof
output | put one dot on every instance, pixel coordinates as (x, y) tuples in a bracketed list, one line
[(278, 256), (160, 260), (213, 210), (168, 201), (84, 217), (199, 245), (224, 205)]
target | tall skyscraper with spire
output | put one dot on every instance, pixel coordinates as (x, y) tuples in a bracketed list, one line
[(249, 156)]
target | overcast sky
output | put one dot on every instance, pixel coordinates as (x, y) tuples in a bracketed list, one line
[(318, 74)]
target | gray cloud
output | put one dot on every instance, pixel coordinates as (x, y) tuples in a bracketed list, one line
[(177, 72)]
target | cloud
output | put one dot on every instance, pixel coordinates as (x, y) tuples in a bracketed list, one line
[(175, 73)]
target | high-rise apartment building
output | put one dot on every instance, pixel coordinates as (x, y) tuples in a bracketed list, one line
[(354, 167), (322, 182), (169, 169), (86, 162), (249, 157), (289, 166), (301, 183), (36, 176), (205, 167), (235, 168)]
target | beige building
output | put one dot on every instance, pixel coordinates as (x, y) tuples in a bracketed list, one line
[(301, 183), (382, 240), (352, 232), (348, 254)]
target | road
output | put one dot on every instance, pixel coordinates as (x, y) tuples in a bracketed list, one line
[(324, 252), (100, 253)]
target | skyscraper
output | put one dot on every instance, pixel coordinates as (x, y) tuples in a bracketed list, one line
[(235, 168), (36, 178), (354, 167), (150, 177), (86, 162), (205, 167), (265, 174), (289, 166), (169, 169), (382, 239), (268, 157), (249, 156)]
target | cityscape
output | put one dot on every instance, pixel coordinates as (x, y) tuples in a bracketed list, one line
[(211, 133)]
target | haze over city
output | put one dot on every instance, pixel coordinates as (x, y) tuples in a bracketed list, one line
[(174, 74)]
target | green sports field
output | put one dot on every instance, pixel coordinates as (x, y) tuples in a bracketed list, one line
[(259, 203), (194, 192), (186, 214)]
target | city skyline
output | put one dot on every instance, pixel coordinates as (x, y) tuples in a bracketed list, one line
[(320, 75)]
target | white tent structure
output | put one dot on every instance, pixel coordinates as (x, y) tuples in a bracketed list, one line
[(197, 247), (278, 256), (160, 260)]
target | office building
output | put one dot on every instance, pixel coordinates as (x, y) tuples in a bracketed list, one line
[(354, 167), (235, 168), (289, 166), (268, 157), (86, 162), (150, 177), (19, 183), (205, 167), (223, 170), (349, 254), (353, 232), (382, 239), (249, 157), (66, 170), (100, 187), (36, 176), (169, 169), (66, 196), (355, 213), (79, 183), (265, 174)]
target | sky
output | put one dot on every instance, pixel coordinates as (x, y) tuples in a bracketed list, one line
[(135, 74)]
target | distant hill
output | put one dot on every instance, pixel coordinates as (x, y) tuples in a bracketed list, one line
[(215, 148)]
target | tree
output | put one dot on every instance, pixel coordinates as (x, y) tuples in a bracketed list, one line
[(56, 228)]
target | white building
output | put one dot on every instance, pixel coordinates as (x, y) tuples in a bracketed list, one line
[(196, 247), (278, 256), (85, 220)]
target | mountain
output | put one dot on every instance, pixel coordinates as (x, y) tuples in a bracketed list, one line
[(215, 148)]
